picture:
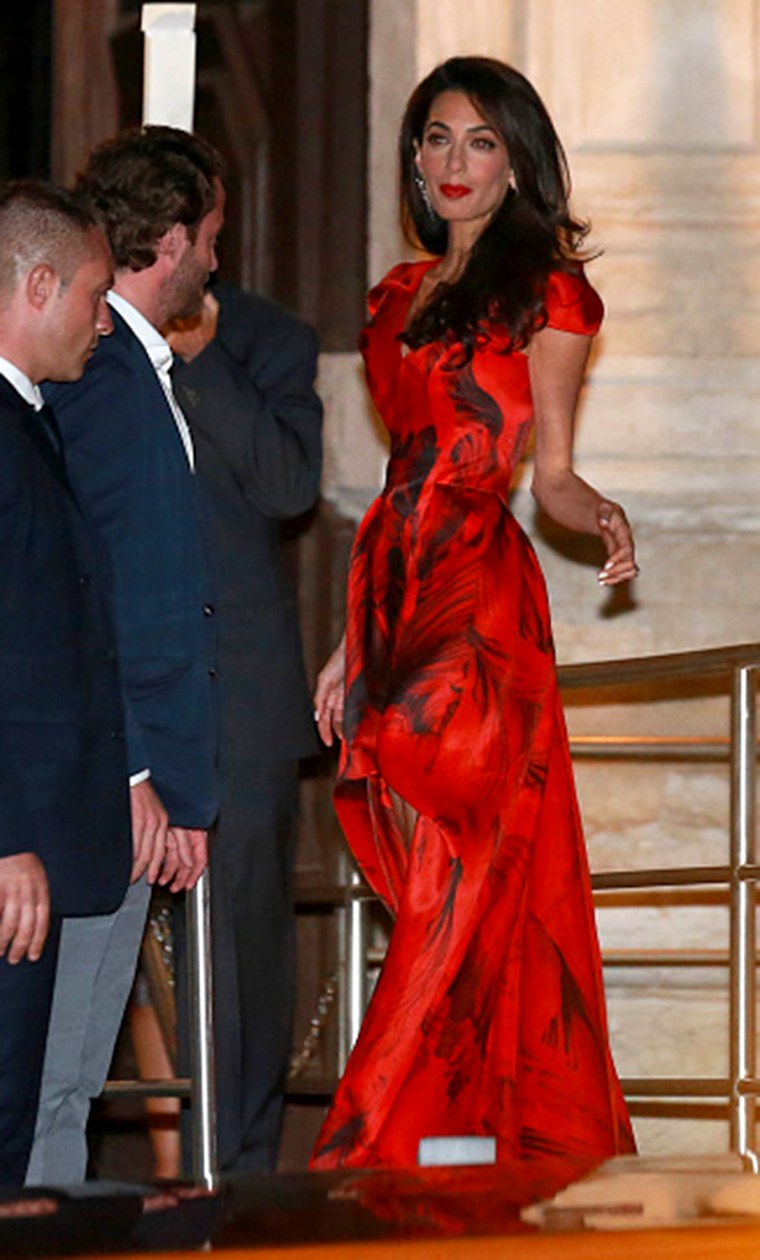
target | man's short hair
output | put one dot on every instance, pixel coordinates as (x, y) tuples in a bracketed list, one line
[(40, 223), (144, 181)]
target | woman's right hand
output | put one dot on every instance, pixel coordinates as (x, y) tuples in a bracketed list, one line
[(329, 695)]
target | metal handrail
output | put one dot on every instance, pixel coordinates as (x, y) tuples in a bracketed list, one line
[(200, 1086), (651, 748), (701, 663), (741, 664)]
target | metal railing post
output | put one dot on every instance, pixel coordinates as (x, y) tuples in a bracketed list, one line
[(743, 1054), (201, 1030), (357, 959), (343, 936)]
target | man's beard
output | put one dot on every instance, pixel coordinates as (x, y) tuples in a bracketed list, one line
[(188, 285)]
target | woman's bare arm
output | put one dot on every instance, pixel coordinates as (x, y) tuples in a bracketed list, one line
[(557, 361)]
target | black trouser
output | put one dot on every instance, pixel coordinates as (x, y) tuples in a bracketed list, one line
[(26, 996), (253, 925)]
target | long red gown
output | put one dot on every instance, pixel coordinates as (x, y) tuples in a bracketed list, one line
[(488, 1017)]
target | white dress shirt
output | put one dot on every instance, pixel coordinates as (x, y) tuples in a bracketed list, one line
[(160, 354), (21, 383)]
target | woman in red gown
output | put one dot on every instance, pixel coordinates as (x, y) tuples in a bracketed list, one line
[(455, 789)]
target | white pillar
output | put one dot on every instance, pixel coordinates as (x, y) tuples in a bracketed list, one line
[(169, 64)]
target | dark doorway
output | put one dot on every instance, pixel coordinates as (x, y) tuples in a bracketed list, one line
[(282, 93), (25, 92)]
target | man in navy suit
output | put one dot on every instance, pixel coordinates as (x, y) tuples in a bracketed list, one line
[(65, 846), (157, 193), (244, 375)]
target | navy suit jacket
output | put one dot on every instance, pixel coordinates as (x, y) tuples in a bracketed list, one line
[(127, 464), (63, 766), (257, 426)]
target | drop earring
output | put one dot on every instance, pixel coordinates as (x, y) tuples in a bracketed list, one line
[(422, 189)]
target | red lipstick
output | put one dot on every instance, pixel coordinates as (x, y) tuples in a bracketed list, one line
[(454, 191)]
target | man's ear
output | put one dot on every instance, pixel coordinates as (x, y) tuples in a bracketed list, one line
[(172, 242), (42, 283)]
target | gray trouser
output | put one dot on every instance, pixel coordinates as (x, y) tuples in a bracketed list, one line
[(96, 968)]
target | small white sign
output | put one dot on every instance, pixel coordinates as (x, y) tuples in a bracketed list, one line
[(434, 1152)]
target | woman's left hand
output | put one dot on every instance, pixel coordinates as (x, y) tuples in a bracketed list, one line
[(330, 695), (616, 534)]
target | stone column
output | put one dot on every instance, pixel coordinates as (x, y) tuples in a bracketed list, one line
[(657, 103)]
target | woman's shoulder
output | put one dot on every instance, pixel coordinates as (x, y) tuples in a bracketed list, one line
[(404, 277), (572, 303)]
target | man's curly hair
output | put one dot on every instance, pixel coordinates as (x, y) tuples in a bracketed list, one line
[(145, 180)]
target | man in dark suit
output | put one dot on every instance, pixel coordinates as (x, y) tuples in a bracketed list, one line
[(245, 376), (65, 845), (157, 193)]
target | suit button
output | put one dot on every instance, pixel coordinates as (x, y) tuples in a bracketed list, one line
[(208, 610), (84, 580), (116, 733), (212, 673)]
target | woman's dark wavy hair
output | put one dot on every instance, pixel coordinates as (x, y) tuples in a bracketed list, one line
[(144, 180), (532, 232)]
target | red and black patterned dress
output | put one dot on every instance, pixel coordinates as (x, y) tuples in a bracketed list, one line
[(489, 1016)]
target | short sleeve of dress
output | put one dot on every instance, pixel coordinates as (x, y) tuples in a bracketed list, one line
[(572, 305), (399, 277)]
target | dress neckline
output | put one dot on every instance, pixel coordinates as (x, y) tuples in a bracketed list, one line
[(418, 271)]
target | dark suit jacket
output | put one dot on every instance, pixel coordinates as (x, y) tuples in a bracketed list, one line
[(128, 466), (63, 766), (256, 421)]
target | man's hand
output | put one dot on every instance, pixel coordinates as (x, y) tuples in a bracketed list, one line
[(24, 907), (188, 337), (149, 828), (186, 858)]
